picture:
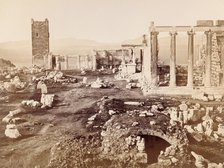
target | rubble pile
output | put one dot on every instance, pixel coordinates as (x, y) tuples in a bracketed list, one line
[(13, 85), (101, 84), (36, 69), (11, 131), (201, 162), (9, 117), (199, 95), (175, 156), (209, 128), (57, 77), (31, 103), (131, 84), (17, 82)]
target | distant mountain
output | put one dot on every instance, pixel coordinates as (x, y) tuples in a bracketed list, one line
[(20, 52)]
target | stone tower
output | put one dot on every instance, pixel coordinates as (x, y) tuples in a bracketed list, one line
[(40, 42)]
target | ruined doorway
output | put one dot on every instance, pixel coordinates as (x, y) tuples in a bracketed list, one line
[(153, 146)]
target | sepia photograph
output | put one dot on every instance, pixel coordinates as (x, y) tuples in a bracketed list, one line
[(111, 84)]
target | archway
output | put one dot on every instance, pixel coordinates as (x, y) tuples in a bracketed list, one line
[(153, 146)]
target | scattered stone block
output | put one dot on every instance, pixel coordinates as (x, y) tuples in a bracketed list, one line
[(7, 118), (15, 112), (211, 97), (150, 114), (220, 130), (183, 106), (46, 100), (18, 120), (174, 160), (11, 131), (189, 129), (154, 108), (199, 128), (152, 122), (218, 97), (134, 124), (134, 103), (166, 162), (112, 112), (84, 80), (92, 118), (200, 161), (141, 145), (215, 165)]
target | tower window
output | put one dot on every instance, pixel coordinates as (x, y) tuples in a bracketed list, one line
[(37, 34)]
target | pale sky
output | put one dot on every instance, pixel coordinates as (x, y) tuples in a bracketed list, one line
[(101, 20)]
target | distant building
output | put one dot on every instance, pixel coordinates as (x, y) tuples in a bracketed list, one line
[(40, 42)]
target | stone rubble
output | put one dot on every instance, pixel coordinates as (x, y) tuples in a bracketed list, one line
[(31, 103), (11, 131), (101, 84), (201, 162)]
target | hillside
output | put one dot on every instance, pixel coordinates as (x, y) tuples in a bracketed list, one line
[(5, 64)]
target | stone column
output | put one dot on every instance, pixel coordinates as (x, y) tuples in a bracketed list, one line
[(190, 58), (66, 62), (94, 60), (222, 62), (123, 57), (173, 59), (153, 59), (133, 55), (57, 63), (50, 61), (87, 61), (78, 62), (208, 58)]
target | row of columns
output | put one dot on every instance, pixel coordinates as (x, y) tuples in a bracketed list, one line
[(154, 58)]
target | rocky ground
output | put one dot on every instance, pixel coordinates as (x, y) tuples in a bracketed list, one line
[(101, 127)]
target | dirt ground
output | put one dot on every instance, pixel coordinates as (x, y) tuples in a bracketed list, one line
[(46, 127)]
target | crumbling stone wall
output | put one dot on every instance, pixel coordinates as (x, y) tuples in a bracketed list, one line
[(199, 70), (215, 63), (40, 42), (109, 58)]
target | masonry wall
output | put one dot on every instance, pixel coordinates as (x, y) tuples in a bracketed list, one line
[(40, 42), (215, 63)]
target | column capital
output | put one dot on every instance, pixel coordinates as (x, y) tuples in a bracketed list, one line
[(191, 32), (173, 33), (209, 32), (154, 33)]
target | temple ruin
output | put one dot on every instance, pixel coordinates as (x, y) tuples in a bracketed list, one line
[(204, 72), (212, 72)]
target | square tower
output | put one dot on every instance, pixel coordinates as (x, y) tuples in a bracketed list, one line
[(40, 42)]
